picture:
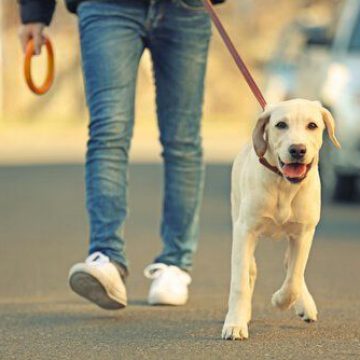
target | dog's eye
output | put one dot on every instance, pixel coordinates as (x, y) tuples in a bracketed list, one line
[(312, 126), (281, 125)]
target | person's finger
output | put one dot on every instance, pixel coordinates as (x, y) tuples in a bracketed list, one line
[(38, 42)]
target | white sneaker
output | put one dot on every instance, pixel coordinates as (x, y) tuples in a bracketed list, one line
[(99, 281), (169, 284)]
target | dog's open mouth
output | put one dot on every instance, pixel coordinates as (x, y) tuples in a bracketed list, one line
[(294, 172)]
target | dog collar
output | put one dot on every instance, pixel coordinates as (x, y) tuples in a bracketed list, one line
[(272, 168)]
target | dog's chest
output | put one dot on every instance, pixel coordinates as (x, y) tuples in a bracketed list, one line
[(276, 225), (283, 210), (278, 214)]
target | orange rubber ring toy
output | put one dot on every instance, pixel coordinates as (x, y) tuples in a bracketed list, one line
[(39, 90)]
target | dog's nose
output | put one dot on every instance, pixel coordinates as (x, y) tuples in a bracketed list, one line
[(297, 151)]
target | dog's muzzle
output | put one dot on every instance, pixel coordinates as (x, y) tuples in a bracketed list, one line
[(294, 172)]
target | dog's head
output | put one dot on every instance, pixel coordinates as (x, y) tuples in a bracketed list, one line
[(291, 131)]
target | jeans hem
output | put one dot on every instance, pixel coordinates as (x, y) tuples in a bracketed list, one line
[(186, 268)]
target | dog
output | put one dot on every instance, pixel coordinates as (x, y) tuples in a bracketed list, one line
[(278, 196)]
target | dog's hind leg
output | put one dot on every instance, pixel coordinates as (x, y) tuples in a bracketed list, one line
[(293, 286)]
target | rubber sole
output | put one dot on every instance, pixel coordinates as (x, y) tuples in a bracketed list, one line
[(90, 288)]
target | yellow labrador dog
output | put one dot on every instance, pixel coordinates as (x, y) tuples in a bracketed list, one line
[(278, 196)]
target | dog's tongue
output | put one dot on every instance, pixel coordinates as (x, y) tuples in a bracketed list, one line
[(294, 170)]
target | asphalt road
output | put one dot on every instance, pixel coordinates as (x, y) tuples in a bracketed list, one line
[(44, 231)]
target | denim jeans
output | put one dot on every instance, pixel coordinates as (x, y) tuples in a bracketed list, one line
[(113, 37)]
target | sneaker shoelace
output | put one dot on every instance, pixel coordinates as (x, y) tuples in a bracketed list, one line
[(154, 271)]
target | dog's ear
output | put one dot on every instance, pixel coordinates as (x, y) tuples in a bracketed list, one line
[(318, 103), (259, 142), (330, 126)]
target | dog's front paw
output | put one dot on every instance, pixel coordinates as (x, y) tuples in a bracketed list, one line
[(235, 332), (305, 307), (284, 298)]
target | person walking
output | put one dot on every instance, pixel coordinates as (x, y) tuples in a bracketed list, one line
[(113, 37)]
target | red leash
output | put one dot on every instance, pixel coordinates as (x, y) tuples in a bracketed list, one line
[(244, 70), (236, 56)]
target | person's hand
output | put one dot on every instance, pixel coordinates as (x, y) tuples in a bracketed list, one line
[(32, 31)]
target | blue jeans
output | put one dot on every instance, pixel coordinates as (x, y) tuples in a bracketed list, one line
[(113, 38)]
